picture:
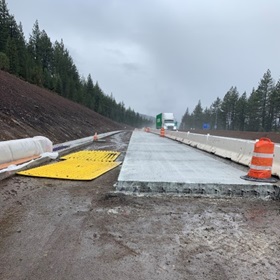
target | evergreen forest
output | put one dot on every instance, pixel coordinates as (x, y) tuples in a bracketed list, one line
[(259, 111), (50, 65)]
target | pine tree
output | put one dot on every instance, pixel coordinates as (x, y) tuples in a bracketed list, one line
[(4, 25), (215, 110), (254, 112), (97, 95), (274, 108), (89, 99), (12, 54), (241, 112), (33, 44), (65, 70), (33, 50), (185, 122), (14, 47), (228, 108), (45, 51), (264, 92), (4, 62), (197, 116), (22, 52)]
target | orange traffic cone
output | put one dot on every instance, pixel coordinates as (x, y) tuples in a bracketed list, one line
[(162, 132), (261, 163), (95, 137)]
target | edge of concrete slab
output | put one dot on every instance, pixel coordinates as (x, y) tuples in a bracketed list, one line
[(250, 190)]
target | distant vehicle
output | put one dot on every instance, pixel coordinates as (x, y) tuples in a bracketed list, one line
[(166, 121)]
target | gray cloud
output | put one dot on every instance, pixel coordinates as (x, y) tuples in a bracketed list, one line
[(163, 55)]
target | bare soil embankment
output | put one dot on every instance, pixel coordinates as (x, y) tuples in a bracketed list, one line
[(27, 110)]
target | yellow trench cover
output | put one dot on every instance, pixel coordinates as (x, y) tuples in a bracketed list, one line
[(106, 156), (84, 165)]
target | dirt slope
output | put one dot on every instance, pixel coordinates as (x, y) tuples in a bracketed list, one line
[(27, 110)]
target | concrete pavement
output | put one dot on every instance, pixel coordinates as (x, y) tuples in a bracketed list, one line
[(158, 164)]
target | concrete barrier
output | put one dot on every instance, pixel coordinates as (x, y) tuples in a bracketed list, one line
[(237, 150)]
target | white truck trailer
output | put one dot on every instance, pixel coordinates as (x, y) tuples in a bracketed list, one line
[(166, 121)]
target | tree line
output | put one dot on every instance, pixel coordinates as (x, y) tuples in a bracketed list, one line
[(50, 65), (259, 111)]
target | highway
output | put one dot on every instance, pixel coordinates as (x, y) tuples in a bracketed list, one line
[(158, 164)]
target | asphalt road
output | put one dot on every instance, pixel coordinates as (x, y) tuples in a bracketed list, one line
[(55, 229)]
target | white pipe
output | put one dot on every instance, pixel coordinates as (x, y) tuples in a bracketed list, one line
[(12, 150)]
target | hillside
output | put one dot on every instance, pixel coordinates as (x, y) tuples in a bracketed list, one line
[(27, 110)]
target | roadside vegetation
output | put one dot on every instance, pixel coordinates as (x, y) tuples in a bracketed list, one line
[(258, 111), (50, 65)]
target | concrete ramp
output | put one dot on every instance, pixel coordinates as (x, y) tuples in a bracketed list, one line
[(157, 164)]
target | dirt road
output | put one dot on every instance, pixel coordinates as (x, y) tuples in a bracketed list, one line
[(55, 229)]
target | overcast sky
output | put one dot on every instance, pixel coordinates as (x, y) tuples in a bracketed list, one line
[(163, 55)]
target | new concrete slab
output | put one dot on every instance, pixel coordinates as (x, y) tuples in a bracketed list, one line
[(157, 164)]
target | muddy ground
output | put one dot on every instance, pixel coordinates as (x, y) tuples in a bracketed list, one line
[(58, 229)]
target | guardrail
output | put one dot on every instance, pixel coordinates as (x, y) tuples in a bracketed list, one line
[(235, 149)]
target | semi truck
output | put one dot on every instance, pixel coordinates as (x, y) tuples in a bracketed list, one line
[(166, 121)]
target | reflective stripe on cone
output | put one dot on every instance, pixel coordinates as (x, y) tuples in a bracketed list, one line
[(261, 163)]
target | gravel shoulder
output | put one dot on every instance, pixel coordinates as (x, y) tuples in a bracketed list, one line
[(58, 229)]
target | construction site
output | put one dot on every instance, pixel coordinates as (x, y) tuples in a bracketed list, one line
[(55, 228), (159, 208)]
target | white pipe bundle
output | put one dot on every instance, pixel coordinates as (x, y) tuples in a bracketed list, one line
[(22, 148)]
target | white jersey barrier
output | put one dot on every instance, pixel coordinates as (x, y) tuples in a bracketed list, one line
[(237, 150), (13, 150), (276, 161)]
